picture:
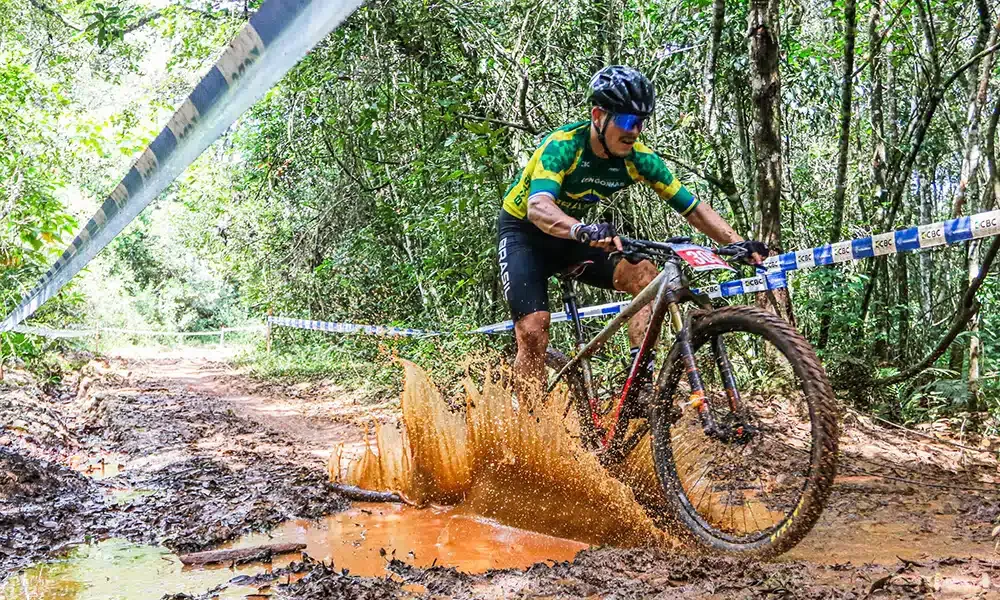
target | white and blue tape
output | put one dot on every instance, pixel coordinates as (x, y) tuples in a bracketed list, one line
[(759, 283), (277, 37), (332, 327), (952, 231), (904, 240)]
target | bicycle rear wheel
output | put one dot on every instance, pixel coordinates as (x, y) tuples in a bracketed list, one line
[(760, 488)]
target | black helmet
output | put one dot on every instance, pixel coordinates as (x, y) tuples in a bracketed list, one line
[(620, 89)]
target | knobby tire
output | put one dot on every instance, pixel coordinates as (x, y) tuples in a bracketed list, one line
[(823, 424)]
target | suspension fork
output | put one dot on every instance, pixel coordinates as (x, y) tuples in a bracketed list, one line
[(569, 304), (726, 370), (698, 399)]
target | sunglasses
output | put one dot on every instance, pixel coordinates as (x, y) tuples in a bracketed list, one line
[(629, 122)]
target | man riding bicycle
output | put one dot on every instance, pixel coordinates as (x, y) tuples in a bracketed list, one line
[(540, 227)]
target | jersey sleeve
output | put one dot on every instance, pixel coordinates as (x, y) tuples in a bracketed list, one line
[(550, 163), (647, 167)]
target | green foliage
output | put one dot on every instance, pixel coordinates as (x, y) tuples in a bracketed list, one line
[(365, 186), (109, 23)]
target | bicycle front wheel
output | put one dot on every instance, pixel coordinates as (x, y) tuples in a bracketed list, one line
[(756, 482)]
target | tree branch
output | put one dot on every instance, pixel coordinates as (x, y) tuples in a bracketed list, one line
[(523, 103), (727, 187), (520, 126), (876, 44), (968, 309), (361, 184), (45, 9), (156, 14)]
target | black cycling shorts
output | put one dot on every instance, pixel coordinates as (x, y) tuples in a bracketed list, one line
[(528, 257)]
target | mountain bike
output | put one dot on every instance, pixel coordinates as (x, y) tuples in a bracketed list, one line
[(740, 413)]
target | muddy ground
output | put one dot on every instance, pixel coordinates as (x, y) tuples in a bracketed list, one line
[(207, 455)]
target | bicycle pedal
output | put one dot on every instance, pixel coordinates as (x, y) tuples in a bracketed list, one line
[(610, 457)]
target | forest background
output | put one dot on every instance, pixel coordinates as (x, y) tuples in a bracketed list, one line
[(365, 186)]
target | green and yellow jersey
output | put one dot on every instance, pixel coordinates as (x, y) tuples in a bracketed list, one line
[(566, 167)]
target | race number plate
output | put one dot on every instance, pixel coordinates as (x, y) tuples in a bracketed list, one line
[(701, 258)]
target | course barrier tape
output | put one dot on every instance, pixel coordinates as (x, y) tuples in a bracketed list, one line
[(904, 240), (909, 239), (931, 235), (78, 333), (278, 35), (758, 283), (53, 333), (333, 327), (153, 332)]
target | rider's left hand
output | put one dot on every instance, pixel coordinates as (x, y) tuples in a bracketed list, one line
[(748, 251)]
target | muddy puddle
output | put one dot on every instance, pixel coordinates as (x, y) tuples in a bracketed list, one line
[(357, 539), (527, 468), (362, 540), (523, 468)]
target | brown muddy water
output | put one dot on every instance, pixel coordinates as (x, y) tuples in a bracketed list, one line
[(362, 539), (523, 468), (527, 469)]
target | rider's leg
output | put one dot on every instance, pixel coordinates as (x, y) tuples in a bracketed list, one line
[(532, 332), (633, 279)]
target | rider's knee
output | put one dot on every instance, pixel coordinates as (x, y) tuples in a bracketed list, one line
[(633, 278), (533, 332)]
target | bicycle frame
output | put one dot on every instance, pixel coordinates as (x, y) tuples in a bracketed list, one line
[(665, 292)]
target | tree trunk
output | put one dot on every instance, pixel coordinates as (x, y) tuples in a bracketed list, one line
[(708, 111), (990, 199), (968, 307), (902, 307), (744, 136), (877, 111), (975, 345), (765, 84), (710, 119), (925, 191), (970, 158), (846, 96), (840, 189)]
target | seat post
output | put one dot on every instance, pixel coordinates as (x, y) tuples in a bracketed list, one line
[(568, 286)]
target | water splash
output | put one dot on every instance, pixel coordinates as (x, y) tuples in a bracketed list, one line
[(522, 468)]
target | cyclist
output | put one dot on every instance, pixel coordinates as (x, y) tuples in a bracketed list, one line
[(541, 225)]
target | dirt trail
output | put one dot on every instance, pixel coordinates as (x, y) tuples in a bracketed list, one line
[(208, 454)]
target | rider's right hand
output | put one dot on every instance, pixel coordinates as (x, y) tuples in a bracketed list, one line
[(749, 252), (598, 235)]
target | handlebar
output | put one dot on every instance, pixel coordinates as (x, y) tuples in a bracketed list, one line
[(637, 250)]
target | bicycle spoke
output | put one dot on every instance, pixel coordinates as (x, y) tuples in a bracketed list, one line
[(767, 501)]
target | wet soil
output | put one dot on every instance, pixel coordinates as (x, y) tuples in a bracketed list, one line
[(193, 454), (192, 474)]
